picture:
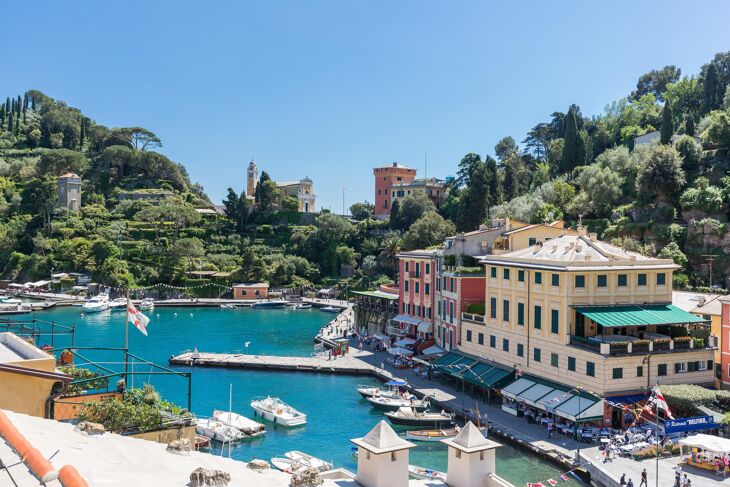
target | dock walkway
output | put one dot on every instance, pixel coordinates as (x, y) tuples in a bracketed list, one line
[(349, 364)]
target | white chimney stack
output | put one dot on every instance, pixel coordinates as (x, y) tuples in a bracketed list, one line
[(382, 458), (471, 458)]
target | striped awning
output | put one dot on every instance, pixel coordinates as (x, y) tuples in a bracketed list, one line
[(638, 315)]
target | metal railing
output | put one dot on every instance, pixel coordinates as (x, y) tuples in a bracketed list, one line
[(640, 347), (473, 318)]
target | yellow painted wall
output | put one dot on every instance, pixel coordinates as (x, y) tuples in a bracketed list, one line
[(561, 298), (24, 393), (521, 240)]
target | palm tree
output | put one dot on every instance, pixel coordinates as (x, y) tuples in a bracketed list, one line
[(389, 248)]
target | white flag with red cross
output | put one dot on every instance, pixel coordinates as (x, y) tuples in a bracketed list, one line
[(137, 318)]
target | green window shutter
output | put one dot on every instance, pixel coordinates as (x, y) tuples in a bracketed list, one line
[(520, 313), (554, 321)]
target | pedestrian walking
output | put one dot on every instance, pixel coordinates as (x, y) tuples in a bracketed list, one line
[(643, 479), (630, 483), (622, 482)]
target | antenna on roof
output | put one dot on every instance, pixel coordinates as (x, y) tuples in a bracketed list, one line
[(425, 160)]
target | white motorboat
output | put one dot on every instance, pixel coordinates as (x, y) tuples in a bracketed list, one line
[(408, 417), (287, 465), (301, 306), (422, 473), (98, 303), (308, 460), (118, 304), (216, 430), (147, 304), (249, 427), (395, 403), (392, 391), (228, 306), (275, 410), (330, 309)]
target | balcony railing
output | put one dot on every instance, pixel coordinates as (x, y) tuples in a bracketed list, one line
[(473, 318), (397, 331), (639, 347)]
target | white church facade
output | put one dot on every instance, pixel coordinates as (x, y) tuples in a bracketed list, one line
[(302, 190)]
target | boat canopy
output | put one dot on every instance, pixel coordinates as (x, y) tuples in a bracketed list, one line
[(638, 315), (399, 383), (555, 398), (433, 350)]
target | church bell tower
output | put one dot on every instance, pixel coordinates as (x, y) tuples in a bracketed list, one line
[(252, 178)]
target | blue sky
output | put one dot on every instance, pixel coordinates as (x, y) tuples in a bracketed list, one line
[(331, 89)]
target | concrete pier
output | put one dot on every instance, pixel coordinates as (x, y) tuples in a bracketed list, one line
[(348, 364)]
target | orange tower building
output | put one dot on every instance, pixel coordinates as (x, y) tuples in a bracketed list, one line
[(385, 177)]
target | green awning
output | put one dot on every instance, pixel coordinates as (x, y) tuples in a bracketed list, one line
[(457, 368), (447, 359), (376, 294), (486, 375), (638, 315)]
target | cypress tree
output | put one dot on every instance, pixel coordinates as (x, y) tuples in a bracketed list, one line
[(689, 126), (10, 122), (16, 131), (82, 134), (32, 103), (667, 125), (7, 105), (2, 116), (570, 143), (711, 95), (19, 104), (25, 103)]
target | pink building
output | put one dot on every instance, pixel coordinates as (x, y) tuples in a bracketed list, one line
[(458, 290), (385, 177), (416, 293)]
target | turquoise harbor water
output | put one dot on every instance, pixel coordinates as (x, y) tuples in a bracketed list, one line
[(335, 411)]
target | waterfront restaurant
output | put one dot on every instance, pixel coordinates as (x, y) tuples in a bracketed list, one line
[(575, 310)]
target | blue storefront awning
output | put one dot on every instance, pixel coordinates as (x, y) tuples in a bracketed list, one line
[(626, 400)]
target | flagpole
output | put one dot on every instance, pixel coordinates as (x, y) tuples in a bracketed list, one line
[(656, 432), (126, 339)]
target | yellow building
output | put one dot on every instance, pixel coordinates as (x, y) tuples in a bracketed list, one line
[(27, 375), (585, 313), (709, 307)]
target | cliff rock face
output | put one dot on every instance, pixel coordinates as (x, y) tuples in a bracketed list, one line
[(708, 234)]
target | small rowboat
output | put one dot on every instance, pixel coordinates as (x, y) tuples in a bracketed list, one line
[(437, 434), (201, 442), (425, 473)]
